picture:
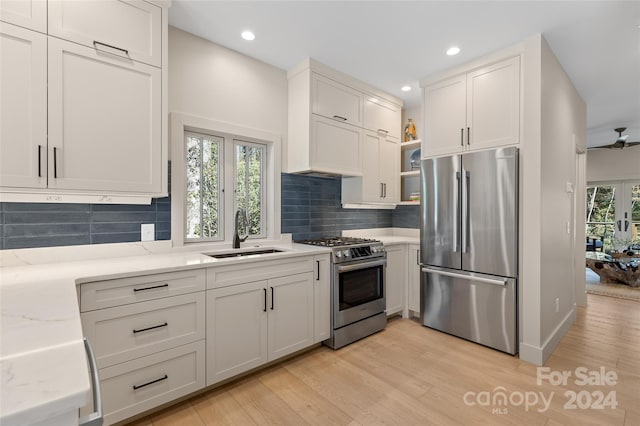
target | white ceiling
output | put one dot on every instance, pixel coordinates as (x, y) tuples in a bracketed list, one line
[(392, 43)]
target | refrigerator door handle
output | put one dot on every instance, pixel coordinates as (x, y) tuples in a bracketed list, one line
[(467, 213), (456, 214), (501, 281)]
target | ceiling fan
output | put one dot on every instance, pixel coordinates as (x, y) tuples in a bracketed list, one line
[(620, 143)]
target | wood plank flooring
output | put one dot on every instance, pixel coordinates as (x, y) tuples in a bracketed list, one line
[(411, 375)]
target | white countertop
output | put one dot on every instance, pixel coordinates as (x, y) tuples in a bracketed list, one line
[(388, 236), (42, 356)]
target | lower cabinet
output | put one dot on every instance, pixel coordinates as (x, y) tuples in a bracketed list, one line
[(413, 279), (322, 299), (395, 281), (253, 323)]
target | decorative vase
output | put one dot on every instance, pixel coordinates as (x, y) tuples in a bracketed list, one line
[(410, 131)]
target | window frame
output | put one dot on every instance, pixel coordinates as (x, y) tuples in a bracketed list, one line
[(181, 123), (263, 202)]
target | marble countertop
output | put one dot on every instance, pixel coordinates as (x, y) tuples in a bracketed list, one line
[(42, 356), (388, 236)]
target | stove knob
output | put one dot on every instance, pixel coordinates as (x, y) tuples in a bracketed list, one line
[(374, 249), (346, 253), (338, 254), (381, 249)]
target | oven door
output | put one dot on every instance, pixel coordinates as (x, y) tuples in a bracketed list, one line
[(358, 291)]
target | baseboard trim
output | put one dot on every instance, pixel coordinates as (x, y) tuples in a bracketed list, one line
[(539, 355)]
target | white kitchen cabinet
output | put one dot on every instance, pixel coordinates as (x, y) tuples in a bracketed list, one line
[(23, 107), (129, 28), (335, 100), (290, 314), (236, 329), (380, 180), (105, 121), (327, 118), (31, 14), (382, 117), (250, 324), (322, 298), (413, 279), (476, 110), (336, 147), (395, 281)]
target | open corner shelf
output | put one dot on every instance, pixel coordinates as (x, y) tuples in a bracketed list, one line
[(413, 144)]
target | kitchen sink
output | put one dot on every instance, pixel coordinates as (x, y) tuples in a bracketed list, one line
[(242, 253)]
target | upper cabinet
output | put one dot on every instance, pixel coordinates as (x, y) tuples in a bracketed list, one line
[(87, 115), (329, 113), (476, 110), (31, 14), (132, 29)]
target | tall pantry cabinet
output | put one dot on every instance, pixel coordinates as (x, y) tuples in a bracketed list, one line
[(93, 119)]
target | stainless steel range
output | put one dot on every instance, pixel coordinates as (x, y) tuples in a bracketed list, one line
[(358, 273)]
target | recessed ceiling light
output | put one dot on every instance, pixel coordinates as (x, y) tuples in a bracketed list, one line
[(405, 88), (453, 51), (248, 35)]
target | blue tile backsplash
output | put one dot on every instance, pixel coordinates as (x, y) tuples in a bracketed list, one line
[(28, 225), (311, 208)]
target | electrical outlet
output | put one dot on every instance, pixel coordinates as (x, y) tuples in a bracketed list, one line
[(557, 304), (147, 232)]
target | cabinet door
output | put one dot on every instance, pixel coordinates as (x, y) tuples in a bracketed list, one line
[(130, 28), (236, 330), (290, 314), (493, 105), (413, 281), (336, 101), (322, 299), (381, 116), (336, 147), (23, 107), (390, 169), (445, 117), (30, 14), (395, 281), (372, 188), (104, 121)]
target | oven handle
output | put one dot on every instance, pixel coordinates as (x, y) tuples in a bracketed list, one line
[(361, 265)]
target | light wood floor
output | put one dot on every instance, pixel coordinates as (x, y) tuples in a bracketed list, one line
[(411, 375)]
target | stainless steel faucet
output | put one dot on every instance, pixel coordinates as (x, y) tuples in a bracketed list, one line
[(240, 214)]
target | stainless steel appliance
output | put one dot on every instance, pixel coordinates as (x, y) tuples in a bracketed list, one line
[(357, 288), (469, 246)]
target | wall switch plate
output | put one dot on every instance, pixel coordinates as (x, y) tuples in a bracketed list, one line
[(569, 187), (147, 232)]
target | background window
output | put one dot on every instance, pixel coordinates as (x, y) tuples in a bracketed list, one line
[(249, 184), (203, 213)]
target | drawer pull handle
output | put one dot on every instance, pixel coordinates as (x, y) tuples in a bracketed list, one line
[(150, 328), (337, 117), (152, 287), (96, 42), (136, 387), (383, 131)]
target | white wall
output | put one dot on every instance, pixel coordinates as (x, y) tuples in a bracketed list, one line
[(554, 124), (213, 82), (613, 164)]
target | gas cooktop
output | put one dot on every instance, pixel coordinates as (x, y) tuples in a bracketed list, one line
[(338, 241), (358, 248)]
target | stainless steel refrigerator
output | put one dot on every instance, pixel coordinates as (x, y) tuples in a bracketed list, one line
[(469, 246)]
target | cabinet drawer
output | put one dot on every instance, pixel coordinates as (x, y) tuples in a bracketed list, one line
[(144, 383), (109, 293), (129, 28), (256, 271), (126, 332)]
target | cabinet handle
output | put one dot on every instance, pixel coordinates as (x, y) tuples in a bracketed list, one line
[(337, 117), (318, 270), (385, 190), (383, 131), (152, 287), (381, 190), (418, 257), (265, 300), (272, 298), (55, 162), (462, 137), (39, 160), (468, 135), (96, 42), (150, 328), (136, 387)]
